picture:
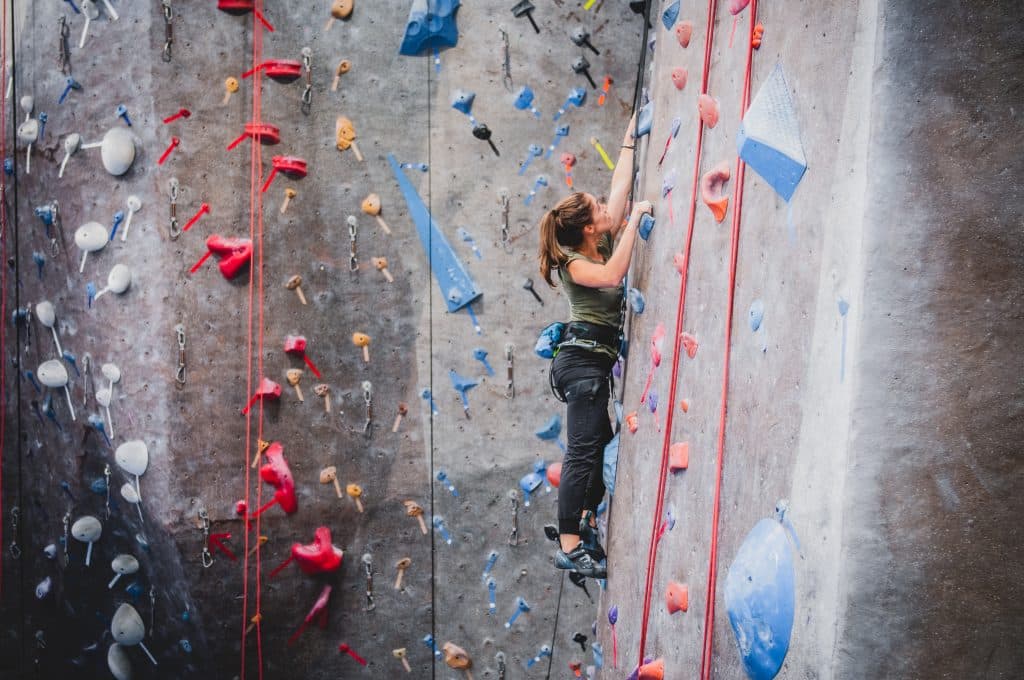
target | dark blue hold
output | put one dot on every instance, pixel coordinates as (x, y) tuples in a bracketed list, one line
[(40, 261), (431, 26), (45, 213), (134, 590), (530, 483), (669, 16), (9, 167), (646, 226), (42, 123), (760, 599), (462, 101), (524, 98), (99, 486), (185, 645)]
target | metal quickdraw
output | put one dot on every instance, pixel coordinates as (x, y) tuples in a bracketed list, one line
[(368, 400), (168, 30), (353, 261), (510, 385), (207, 556), (513, 535), (174, 230), (67, 537), (179, 375), (506, 240), (106, 483), (506, 64), (63, 53), (307, 66), (15, 549)]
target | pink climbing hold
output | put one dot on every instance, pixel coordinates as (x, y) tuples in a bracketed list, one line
[(711, 186), (708, 108), (737, 6), (679, 260), (679, 77), (684, 31), (690, 345)]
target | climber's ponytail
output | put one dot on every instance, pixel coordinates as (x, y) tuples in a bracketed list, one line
[(562, 226)]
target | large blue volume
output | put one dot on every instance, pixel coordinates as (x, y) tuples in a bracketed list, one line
[(769, 136), (431, 26), (457, 287), (760, 599)]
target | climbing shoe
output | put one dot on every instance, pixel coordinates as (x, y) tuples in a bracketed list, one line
[(588, 536), (581, 562)]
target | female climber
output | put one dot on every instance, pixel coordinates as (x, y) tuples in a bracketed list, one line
[(584, 239)]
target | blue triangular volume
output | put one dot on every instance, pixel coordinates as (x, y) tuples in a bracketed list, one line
[(431, 26), (456, 285), (769, 136)]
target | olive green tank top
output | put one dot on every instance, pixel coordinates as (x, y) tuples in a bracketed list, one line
[(593, 305)]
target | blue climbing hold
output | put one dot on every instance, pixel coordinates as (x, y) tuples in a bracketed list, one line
[(644, 119), (769, 136), (669, 16), (646, 226), (760, 599), (462, 101), (756, 314), (611, 464), (551, 429), (431, 26), (636, 301)]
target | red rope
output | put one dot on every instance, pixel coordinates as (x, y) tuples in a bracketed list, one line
[(652, 550), (709, 600), (255, 218)]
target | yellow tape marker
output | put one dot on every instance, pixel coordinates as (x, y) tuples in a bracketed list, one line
[(604, 155)]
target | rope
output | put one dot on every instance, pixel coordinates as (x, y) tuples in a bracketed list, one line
[(709, 611), (430, 379), (652, 550), (3, 281), (558, 609), (256, 235)]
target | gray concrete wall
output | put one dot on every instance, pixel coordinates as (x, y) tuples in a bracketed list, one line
[(899, 477), (197, 440)]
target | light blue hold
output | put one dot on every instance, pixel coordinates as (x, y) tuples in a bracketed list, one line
[(636, 301), (644, 120), (756, 315)]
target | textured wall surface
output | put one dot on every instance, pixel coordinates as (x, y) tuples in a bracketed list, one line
[(199, 445), (900, 475)]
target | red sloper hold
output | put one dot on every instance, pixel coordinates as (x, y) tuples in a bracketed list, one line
[(234, 253), (277, 473), (684, 31), (679, 77), (690, 345), (554, 474), (319, 557)]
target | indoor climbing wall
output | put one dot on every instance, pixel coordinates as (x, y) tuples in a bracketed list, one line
[(270, 314), (802, 488)]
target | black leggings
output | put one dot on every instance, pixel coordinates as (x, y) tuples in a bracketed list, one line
[(582, 375)]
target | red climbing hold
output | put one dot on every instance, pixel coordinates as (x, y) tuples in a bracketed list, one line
[(677, 597), (234, 253), (711, 185), (277, 473), (632, 422), (684, 31), (655, 670), (679, 456), (554, 474), (319, 557), (690, 345), (679, 77), (755, 41), (679, 260), (737, 6), (707, 106)]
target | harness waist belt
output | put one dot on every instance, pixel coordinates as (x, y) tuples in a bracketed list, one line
[(602, 335)]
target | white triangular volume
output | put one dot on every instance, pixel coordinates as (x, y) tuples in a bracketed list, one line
[(771, 118)]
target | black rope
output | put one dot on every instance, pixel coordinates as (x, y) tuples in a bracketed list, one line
[(558, 608)]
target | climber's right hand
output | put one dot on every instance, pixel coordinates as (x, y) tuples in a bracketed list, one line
[(641, 208)]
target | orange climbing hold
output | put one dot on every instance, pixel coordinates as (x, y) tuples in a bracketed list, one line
[(711, 185), (679, 456), (679, 77), (708, 108), (684, 405), (690, 345), (632, 422), (755, 41), (677, 597), (684, 31), (654, 670)]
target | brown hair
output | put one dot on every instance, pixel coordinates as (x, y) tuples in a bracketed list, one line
[(562, 226)]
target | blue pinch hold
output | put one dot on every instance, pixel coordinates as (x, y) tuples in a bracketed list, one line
[(462, 101), (669, 16), (431, 26), (756, 314), (646, 226)]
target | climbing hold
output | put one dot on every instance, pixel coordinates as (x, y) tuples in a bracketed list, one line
[(277, 473), (636, 301), (737, 6), (707, 106), (462, 101), (431, 25), (760, 599), (644, 119), (684, 31), (711, 185), (679, 77), (554, 474), (653, 670), (669, 16), (646, 226), (319, 557), (679, 456), (756, 314), (234, 253), (755, 40), (769, 137), (690, 345), (684, 405), (632, 422), (679, 260)]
